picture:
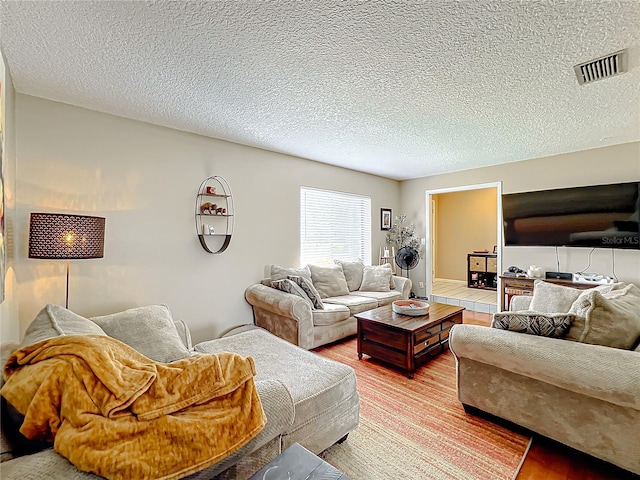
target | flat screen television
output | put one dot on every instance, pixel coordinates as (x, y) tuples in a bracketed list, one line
[(605, 216)]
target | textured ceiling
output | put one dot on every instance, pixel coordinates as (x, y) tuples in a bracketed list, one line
[(401, 89)]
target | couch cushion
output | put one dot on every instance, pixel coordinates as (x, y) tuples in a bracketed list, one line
[(332, 313), (278, 273), (551, 298), (611, 318), (383, 298), (150, 330), (352, 273), (316, 384), (376, 278), (55, 320), (289, 286), (554, 325), (355, 303), (329, 280), (307, 287)]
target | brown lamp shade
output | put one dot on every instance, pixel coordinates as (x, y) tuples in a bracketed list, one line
[(66, 237)]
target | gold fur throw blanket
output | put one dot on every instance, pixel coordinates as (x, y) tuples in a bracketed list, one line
[(114, 412)]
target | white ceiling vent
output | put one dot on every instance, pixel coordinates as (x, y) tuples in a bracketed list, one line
[(603, 67)]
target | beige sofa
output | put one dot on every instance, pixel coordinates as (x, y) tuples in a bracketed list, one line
[(300, 406), (295, 318), (581, 394)]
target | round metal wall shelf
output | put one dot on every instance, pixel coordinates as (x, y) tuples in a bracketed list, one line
[(214, 214)]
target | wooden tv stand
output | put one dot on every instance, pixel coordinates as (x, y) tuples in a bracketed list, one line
[(512, 286)]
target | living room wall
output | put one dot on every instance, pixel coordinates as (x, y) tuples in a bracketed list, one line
[(611, 164), (143, 179)]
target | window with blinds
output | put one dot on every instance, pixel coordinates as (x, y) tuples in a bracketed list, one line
[(334, 226)]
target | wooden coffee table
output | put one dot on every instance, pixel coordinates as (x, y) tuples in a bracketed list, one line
[(404, 341)]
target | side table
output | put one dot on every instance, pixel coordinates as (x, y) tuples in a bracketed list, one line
[(298, 463)]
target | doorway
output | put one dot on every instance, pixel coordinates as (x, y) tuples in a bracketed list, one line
[(461, 221)]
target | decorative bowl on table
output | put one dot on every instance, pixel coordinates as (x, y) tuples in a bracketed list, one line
[(414, 308)]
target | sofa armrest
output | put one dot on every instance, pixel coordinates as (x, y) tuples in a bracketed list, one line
[(520, 302), (45, 465), (283, 314), (609, 374), (403, 285)]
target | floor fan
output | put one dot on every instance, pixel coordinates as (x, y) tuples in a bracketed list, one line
[(407, 259)]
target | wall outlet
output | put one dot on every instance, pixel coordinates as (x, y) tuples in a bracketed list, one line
[(421, 284)]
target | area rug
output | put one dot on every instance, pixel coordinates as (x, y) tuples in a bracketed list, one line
[(417, 429)]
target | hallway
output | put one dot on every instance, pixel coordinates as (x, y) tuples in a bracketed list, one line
[(455, 292)]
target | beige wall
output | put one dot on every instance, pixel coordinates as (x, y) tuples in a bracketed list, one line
[(144, 179), (618, 163), (465, 221), (9, 325)]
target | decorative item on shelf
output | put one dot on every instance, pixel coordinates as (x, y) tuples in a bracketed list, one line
[(215, 235), (388, 256), (414, 308), (535, 272), (60, 236), (208, 207)]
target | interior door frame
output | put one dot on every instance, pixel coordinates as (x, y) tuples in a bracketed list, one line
[(429, 240)]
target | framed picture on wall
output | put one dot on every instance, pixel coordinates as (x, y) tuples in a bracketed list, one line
[(385, 218)]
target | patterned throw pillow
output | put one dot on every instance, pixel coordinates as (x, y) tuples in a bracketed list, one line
[(309, 289), (289, 286), (554, 325)]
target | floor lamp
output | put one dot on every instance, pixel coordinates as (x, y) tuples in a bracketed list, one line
[(59, 236)]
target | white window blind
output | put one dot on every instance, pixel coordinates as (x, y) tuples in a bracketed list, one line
[(334, 226)]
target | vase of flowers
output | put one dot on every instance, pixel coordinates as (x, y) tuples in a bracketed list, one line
[(401, 235)]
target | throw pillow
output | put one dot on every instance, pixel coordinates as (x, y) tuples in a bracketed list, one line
[(150, 330), (611, 319), (308, 288), (554, 325), (278, 273), (376, 278), (392, 284), (352, 273), (329, 280), (551, 298), (582, 303), (54, 321), (289, 286)]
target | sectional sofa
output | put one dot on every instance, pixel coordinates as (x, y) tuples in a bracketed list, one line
[(301, 405)]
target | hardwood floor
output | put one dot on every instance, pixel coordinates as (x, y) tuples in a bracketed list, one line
[(550, 460)]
